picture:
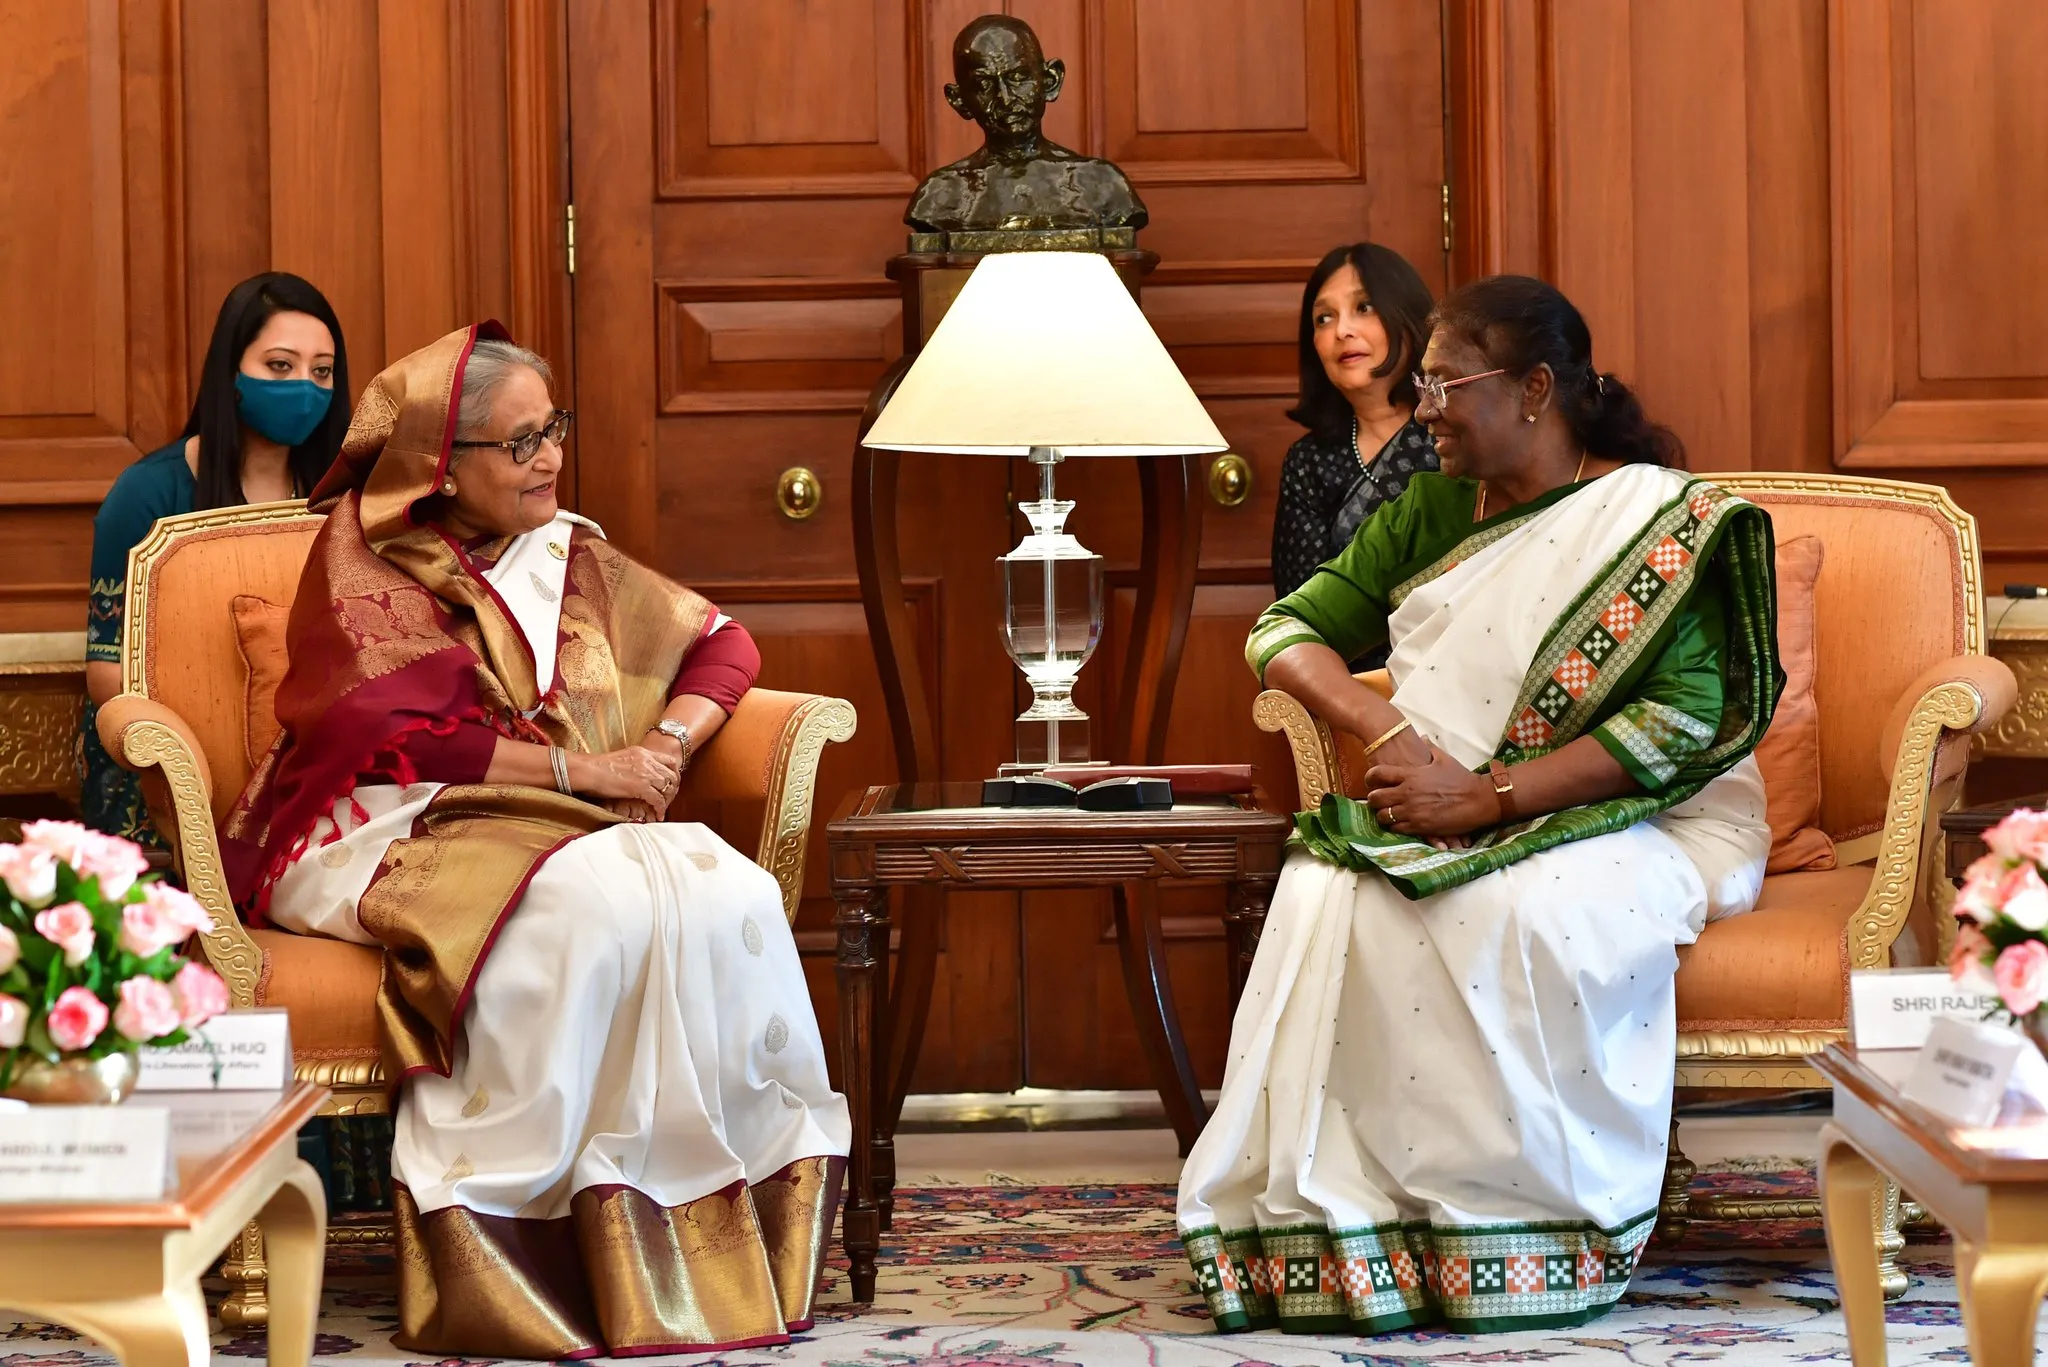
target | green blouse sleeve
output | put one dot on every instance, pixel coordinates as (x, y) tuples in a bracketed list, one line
[(1675, 711), (1344, 603)]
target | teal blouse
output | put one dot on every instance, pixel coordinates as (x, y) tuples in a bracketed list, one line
[(158, 485)]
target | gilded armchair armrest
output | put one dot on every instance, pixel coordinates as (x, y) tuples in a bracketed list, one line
[(1924, 750), (768, 752), (1319, 754), (1309, 739), (142, 734)]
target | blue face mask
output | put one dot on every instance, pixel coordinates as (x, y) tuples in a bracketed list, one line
[(286, 411)]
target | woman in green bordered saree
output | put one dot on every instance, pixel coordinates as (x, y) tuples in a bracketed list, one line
[(1449, 1085)]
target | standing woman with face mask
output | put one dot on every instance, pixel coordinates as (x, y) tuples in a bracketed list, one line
[(269, 417)]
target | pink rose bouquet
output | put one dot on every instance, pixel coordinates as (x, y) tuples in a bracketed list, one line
[(2002, 943), (89, 962)]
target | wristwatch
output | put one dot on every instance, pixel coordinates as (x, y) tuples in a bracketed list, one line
[(679, 733)]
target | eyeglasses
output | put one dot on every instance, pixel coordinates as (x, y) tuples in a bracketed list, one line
[(525, 448), (1438, 390)]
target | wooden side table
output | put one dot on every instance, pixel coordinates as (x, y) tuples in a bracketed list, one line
[(1989, 1186), (935, 835), (1963, 829), (129, 1274)]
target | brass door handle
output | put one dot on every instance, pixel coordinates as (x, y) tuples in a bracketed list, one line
[(1230, 479), (798, 493)]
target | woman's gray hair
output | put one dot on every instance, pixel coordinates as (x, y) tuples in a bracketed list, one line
[(491, 363)]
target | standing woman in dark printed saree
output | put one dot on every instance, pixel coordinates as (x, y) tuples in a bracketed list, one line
[(1364, 323), (1449, 1086), (614, 1132)]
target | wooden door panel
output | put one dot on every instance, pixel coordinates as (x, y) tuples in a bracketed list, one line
[(742, 177), (1212, 92), (770, 346), (785, 98)]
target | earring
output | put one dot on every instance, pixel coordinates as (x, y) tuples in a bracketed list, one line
[(449, 487), (1526, 417)]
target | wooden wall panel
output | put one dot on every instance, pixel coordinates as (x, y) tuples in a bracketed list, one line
[(92, 364), (154, 153)]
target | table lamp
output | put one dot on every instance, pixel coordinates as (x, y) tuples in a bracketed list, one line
[(1046, 355)]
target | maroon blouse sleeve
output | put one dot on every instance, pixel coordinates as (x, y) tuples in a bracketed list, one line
[(461, 756), (721, 667)]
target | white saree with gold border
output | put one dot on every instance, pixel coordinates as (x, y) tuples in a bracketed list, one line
[(637, 1131)]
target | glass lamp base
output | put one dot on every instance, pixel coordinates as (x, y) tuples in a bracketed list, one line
[(1043, 743)]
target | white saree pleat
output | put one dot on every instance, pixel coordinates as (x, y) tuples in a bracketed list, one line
[(1457, 1107), (642, 1021)]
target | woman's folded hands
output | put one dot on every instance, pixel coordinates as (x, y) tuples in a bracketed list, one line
[(634, 781)]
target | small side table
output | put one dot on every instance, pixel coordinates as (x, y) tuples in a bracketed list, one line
[(129, 1274), (936, 835), (1989, 1186)]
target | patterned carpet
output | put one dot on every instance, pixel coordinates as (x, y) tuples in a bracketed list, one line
[(1032, 1276)]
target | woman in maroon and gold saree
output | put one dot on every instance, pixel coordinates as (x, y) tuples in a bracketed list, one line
[(614, 1130)]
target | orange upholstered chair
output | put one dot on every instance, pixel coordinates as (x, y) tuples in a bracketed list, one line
[(184, 712), (1902, 683)]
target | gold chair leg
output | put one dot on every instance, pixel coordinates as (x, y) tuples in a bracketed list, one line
[(1674, 1210), (248, 1303), (1891, 1242)]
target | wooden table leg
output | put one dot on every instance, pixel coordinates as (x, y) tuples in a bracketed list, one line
[(295, 1241), (881, 1119), (169, 1330), (2000, 1290), (1853, 1193), (1244, 920), (861, 1225), (1142, 948)]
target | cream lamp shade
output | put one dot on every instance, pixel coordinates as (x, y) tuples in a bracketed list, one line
[(1045, 349)]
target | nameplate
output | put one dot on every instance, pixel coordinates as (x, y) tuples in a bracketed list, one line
[(102, 1154), (1894, 1008), (236, 1051), (1963, 1068)]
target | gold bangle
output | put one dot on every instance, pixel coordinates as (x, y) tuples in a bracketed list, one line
[(1385, 738)]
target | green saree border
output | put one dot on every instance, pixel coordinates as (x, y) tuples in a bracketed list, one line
[(1597, 647), (1401, 1274)]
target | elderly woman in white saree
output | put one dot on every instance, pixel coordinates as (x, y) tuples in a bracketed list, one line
[(1449, 1085), (614, 1129)]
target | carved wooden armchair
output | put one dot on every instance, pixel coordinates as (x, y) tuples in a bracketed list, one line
[(183, 712), (1902, 683)]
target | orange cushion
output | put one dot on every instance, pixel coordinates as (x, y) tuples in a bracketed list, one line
[(327, 987), (1783, 966), (1789, 755), (260, 631)]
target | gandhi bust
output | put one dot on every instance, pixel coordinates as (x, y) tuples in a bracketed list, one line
[(1019, 178)]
